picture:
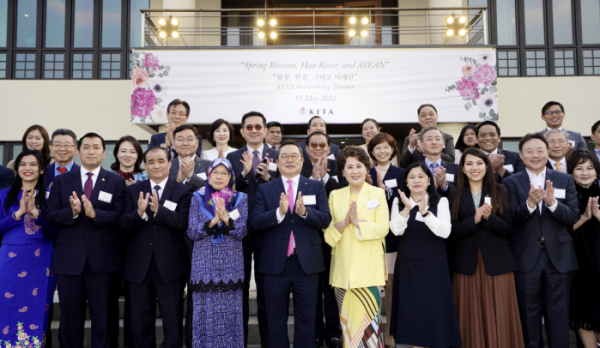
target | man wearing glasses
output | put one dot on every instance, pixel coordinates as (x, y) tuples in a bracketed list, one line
[(178, 113), (253, 164), (63, 146), (558, 146), (554, 114)]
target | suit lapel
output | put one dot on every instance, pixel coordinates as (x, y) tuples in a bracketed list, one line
[(167, 192), (362, 197), (467, 200), (76, 181), (100, 184), (146, 189)]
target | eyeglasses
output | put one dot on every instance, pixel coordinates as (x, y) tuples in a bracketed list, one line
[(285, 156), (175, 113), (554, 113), (321, 145), (217, 174), (189, 140), (60, 146), (559, 141), (255, 126)]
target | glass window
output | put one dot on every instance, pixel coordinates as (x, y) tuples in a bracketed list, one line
[(82, 65), (563, 28), (2, 65), (536, 63), (564, 62), (54, 65), (84, 23), (25, 65), (16, 150), (534, 22), (55, 23), (111, 23), (508, 63), (110, 66), (507, 25), (590, 21), (26, 23), (135, 29), (591, 62), (4, 20)]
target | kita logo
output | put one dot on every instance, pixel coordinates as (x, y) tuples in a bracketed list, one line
[(302, 111)]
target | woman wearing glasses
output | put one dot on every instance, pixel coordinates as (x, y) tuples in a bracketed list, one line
[(221, 137)]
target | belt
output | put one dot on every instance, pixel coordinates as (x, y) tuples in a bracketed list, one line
[(543, 245)]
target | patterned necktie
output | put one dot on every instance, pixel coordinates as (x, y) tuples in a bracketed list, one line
[(89, 185), (62, 170), (255, 162), (290, 193), (157, 188), (558, 166), (432, 167)]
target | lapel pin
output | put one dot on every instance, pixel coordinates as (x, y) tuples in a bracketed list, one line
[(102, 179)]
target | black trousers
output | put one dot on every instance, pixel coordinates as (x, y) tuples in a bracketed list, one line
[(326, 303), (119, 288), (73, 291), (252, 244), (143, 310), (544, 292)]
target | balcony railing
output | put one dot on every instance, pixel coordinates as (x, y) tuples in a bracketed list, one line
[(317, 27)]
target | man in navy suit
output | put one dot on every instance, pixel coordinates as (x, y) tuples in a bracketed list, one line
[(250, 172), (558, 141), (178, 113), (85, 206), (63, 145), (553, 113), (505, 162), (6, 177), (431, 140), (290, 212), (545, 207), (317, 124), (157, 263), (274, 134)]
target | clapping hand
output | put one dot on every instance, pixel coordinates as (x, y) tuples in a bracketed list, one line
[(187, 163), (154, 203), (423, 206), (595, 209), (221, 212), (413, 137), (142, 203), (535, 196), (317, 169), (31, 207), (483, 212), (247, 163), (549, 193), (169, 135), (300, 208), (497, 163), (406, 202), (440, 177), (487, 211), (129, 182), (263, 170), (353, 214), (89, 208), (380, 183), (22, 206), (75, 204), (221, 154), (284, 205)]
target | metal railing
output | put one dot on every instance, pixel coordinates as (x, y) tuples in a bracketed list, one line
[(316, 27)]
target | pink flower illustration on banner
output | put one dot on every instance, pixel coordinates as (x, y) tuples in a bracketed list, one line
[(142, 102), (468, 69), (484, 74), (468, 89), (151, 62), (139, 77)]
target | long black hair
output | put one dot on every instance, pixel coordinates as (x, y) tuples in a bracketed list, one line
[(460, 143), (13, 193), (138, 148), (434, 196)]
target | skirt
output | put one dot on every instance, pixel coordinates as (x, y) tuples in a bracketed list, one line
[(360, 317), (487, 309)]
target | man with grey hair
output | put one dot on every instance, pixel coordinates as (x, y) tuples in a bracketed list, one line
[(558, 142), (431, 140), (63, 145)]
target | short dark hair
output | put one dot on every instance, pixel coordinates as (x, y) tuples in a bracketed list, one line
[(317, 133), (64, 131), (254, 113), (312, 118), (531, 136), (288, 143), (184, 127), (176, 102), (581, 156), (380, 138), (550, 104), (485, 123), (138, 148), (214, 126), (157, 148), (595, 126), (369, 120), (354, 151), (424, 105), (91, 135), (434, 196), (275, 124)]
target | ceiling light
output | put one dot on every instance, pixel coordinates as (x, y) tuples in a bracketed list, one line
[(450, 20), (352, 20), (261, 35), (364, 33), (449, 32), (365, 20), (352, 33), (261, 22), (273, 35)]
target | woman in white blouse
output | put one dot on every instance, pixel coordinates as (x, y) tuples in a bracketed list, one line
[(422, 299), (220, 136)]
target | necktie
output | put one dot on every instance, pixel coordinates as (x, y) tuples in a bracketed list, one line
[(558, 166), (62, 170), (89, 185), (432, 166), (290, 193), (157, 189), (255, 162)]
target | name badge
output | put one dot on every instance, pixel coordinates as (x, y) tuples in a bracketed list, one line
[(234, 215), (391, 183), (170, 205), (309, 200), (372, 204), (47, 194), (509, 167), (272, 166), (488, 200), (331, 157), (572, 142), (335, 178), (560, 193), (202, 176), (450, 177), (419, 217), (105, 197)]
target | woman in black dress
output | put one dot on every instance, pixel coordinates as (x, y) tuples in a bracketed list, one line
[(584, 316), (423, 311)]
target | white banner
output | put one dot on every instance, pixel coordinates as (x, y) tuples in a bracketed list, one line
[(292, 85)]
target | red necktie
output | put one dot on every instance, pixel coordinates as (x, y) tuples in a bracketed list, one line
[(62, 170)]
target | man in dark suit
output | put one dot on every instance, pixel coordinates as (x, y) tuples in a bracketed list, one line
[(553, 113), (317, 124), (274, 134), (545, 208), (251, 171), (412, 152), (431, 140), (505, 162), (157, 264), (63, 145), (290, 212), (188, 168), (6, 177), (558, 142), (85, 206), (178, 113)]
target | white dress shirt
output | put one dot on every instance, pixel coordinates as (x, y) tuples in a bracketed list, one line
[(213, 153), (537, 181), (159, 192), (563, 163), (295, 183), (84, 176), (440, 225), (260, 150), (495, 152)]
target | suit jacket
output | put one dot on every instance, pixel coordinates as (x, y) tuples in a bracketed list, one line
[(163, 235), (408, 158), (391, 192), (514, 159), (553, 226), (6, 177), (336, 180), (197, 180), (160, 138), (334, 150), (492, 236), (82, 239), (576, 137), (277, 235), (50, 172)]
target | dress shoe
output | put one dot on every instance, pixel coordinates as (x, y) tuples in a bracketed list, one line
[(334, 343), (264, 342), (318, 343)]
